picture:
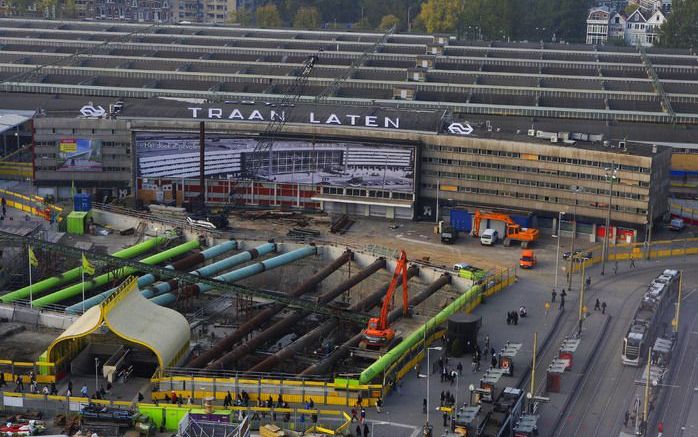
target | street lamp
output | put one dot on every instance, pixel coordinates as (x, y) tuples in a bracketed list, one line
[(557, 258), (611, 176), (576, 189), (428, 372), (96, 375)]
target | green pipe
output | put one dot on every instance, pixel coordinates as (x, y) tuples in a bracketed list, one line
[(74, 274), (114, 274), (393, 354)]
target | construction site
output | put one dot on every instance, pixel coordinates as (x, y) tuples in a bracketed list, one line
[(172, 309)]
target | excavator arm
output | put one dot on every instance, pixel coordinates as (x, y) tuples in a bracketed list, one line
[(400, 270)]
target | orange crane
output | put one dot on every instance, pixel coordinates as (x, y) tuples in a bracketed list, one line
[(378, 333), (514, 231)]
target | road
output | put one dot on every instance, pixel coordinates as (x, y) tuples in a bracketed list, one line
[(607, 388)]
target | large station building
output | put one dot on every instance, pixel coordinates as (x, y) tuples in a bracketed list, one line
[(397, 126)]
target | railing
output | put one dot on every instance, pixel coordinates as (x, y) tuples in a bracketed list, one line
[(299, 419), (261, 387)]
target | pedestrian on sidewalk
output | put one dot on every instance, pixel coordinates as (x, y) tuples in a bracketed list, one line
[(597, 305), (379, 404), (494, 361), (563, 293), (508, 317), (626, 418), (588, 281), (603, 307), (487, 344), (358, 430), (615, 267), (554, 294), (459, 367), (424, 405), (632, 263), (562, 302)]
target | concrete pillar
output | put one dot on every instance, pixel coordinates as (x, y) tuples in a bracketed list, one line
[(592, 238)]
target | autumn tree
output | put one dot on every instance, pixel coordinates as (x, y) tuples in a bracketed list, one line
[(681, 28), (307, 18), (268, 16), (388, 21), (441, 16)]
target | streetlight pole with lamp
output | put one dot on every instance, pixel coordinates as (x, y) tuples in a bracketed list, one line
[(96, 375), (557, 257), (576, 189), (428, 373), (611, 175)]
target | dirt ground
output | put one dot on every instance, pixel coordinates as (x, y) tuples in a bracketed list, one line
[(28, 344)]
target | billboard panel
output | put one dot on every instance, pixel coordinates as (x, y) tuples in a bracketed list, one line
[(80, 154), (346, 164)]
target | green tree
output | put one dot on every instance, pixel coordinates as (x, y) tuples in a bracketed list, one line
[(681, 28), (307, 18), (241, 16), (268, 16), (441, 16), (388, 21)]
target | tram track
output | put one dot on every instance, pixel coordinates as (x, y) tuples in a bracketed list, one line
[(601, 391), (586, 400)]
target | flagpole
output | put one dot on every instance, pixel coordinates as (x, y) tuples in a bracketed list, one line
[(82, 270), (31, 297)]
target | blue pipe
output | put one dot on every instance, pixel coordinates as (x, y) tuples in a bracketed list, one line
[(149, 278), (212, 269), (245, 272)]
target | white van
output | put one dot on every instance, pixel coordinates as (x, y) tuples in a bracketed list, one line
[(489, 237)]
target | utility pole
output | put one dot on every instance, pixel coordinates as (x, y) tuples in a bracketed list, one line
[(611, 174)]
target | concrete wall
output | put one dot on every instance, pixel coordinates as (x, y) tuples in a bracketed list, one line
[(35, 317)]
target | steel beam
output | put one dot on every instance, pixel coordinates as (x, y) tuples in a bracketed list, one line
[(262, 316), (187, 277)]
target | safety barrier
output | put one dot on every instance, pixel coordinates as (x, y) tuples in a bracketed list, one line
[(637, 251), (12, 170), (167, 416), (43, 372), (294, 391), (34, 205)]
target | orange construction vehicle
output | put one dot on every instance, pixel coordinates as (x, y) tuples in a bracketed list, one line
[(378, 333), (528, 259), (513, 231)]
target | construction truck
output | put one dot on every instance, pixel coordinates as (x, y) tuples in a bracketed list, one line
[(512, 232), (448, 234), (378, 333)]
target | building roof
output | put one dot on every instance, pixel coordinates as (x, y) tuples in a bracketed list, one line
[(227, 63), (131, 317), (9, 119)]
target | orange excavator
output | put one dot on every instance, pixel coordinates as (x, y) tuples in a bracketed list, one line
[(378, 333), (514, 231)]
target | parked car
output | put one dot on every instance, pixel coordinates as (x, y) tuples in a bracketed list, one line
[(489, 237), (677, 225)]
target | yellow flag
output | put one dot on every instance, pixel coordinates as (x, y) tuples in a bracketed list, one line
[(32, 258), (86, 266)]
